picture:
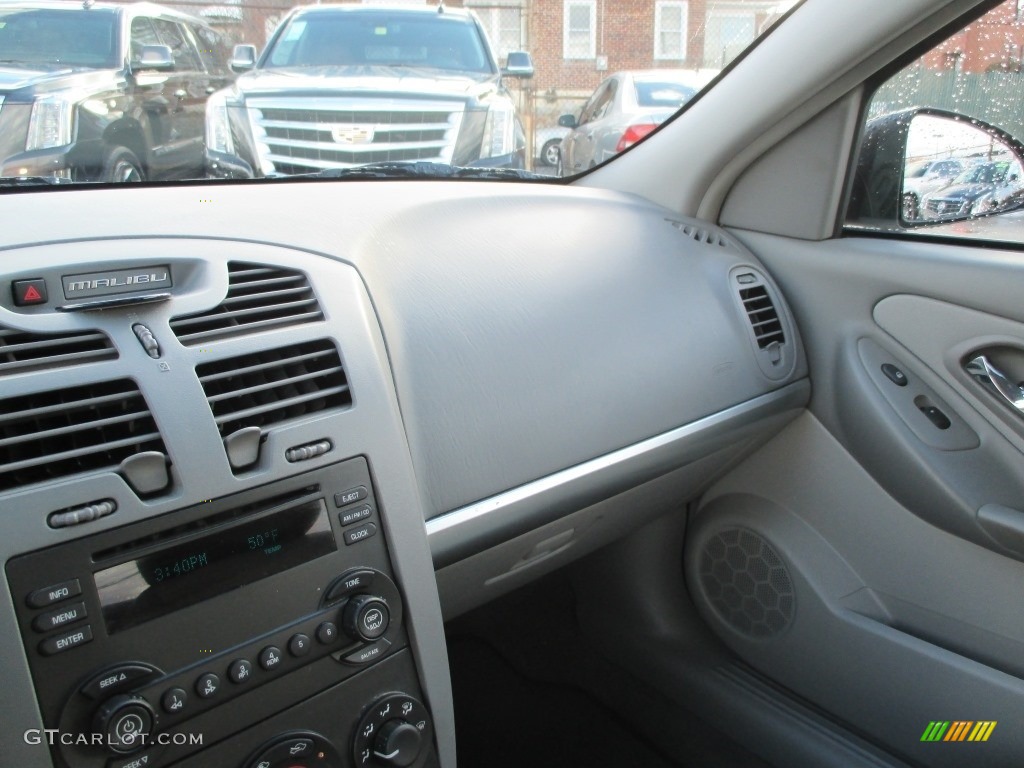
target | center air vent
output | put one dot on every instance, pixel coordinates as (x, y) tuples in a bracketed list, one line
[(46, 436), (22, 351), (259, 297), (268, 387)]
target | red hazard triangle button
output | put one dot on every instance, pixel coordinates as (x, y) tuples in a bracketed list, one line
[(29, 292)]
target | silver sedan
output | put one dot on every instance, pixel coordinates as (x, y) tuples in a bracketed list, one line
[(623, 109)]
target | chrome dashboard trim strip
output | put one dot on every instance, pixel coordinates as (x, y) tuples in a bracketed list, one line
[(482, 524)]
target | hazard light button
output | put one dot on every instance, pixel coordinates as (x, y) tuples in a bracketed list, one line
[(28, 293)]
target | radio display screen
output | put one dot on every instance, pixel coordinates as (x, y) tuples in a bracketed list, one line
[(187, 573)]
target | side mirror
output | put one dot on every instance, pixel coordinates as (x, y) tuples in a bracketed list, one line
[(154, 57), (567, 121), (243, 58), (882, 199), (518, 64)]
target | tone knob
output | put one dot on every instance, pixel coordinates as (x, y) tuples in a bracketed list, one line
[(398, 743), (126, 723), (365, 618)]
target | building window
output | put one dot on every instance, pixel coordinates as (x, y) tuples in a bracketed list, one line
[(726, 35), (503, 24), (579, 40), (670, 30)]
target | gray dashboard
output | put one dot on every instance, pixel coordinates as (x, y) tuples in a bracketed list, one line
[(514, 354)]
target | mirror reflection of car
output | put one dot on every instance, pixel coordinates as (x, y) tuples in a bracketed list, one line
[(346, 85), (990, 182), (105, 92), (623, 109), (980, 189), (922, 177)]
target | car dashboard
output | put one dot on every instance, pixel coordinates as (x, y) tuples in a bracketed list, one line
[(254, 453)]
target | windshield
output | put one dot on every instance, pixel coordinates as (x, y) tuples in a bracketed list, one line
[(982, 174), (34, 38), (531, 90), (377, 39)]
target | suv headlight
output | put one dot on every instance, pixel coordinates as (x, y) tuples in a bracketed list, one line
[(499, 130), (218, 129), (50, 124)]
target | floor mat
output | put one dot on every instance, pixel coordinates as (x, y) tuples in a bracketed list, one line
[(504, 720)]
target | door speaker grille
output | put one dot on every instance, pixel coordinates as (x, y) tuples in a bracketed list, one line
[(747, 583)]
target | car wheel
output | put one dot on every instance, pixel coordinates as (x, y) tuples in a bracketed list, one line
[(909, 208), (121, 166), (550, 152)]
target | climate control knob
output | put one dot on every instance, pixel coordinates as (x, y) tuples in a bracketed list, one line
[(365, 618), (126, 722), (398, 743)]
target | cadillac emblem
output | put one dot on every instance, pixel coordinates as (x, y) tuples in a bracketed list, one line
[(352, 134)]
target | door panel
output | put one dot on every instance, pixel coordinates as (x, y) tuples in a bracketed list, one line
[(900, 538)]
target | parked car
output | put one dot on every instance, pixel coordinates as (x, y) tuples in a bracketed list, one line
[(105, 92), (978, 189), (701, 458), (341, 86), (623, 109), (547, 144), (923, 177)]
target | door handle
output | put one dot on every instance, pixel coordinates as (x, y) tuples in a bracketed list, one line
[(982, 369), (181, 93), (210, 89)]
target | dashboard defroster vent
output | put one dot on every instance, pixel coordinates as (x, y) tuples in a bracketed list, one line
[(46, 436), (259, 298), (271, 386), (764, 319), (699, 234), (22, 351)]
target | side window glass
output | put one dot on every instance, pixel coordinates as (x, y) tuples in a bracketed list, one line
[(142, 34), (186, 57), (941, 150), (212, 49), (603, 106), (587, 114)]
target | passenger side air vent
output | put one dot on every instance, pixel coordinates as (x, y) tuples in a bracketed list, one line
[(51, 435), (22, 351), (764, 320), (768, 327), (272, 386), (259, 297)]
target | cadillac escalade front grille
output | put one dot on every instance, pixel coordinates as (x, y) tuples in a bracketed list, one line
[(307, 135)]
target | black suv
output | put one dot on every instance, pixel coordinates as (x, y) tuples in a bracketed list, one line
[(103, 92)]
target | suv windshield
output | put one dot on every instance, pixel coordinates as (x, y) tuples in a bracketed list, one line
[(51, 38), (379, 39)]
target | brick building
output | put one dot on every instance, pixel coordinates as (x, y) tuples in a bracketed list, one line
[(993, 43)]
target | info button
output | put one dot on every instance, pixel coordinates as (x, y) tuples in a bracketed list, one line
[(363, 532)]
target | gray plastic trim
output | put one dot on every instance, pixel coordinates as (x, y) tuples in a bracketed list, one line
[(486, 523)]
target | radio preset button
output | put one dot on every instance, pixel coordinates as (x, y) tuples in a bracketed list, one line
[(299, 645), (174, 700), (363, 532), (207, 685), (270, 657), (116, 679), (66, 641), (45, 622), (58, 592), (351, 496), (240, 671), (327, 632)]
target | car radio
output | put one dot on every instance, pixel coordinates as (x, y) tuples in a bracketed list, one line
[(156, 640)]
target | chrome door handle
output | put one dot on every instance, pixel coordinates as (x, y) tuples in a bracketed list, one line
[(982, 369)]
